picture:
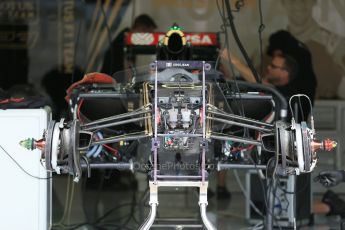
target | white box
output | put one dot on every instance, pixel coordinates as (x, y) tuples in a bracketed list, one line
[(25, 202)]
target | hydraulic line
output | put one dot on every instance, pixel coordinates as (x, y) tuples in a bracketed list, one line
[(120, 116), (239, 124), (127, 137), (114, 123)]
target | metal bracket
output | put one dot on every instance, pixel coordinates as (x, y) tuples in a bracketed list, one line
[(204, 144), (203, 193), (155, 144)]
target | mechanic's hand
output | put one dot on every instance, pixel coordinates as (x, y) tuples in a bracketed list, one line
[(330, 178)]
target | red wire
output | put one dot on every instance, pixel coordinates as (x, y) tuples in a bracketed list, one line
[(115, 151), (16, 100), (236, 149)]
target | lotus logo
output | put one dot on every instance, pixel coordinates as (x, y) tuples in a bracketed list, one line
[(142, 38)]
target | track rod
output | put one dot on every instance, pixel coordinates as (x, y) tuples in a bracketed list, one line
[(127, 137), (212, 109), (236, 139), (120, 116)]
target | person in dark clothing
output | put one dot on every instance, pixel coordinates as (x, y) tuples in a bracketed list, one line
[(290, 71), (114, 59), (282, 72), (282, 42), (297, 55)]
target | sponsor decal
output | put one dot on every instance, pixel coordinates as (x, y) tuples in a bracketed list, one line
[(196, 39), (66, 35), (142, 38)]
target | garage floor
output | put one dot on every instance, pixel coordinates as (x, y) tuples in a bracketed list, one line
[(116, 205)]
